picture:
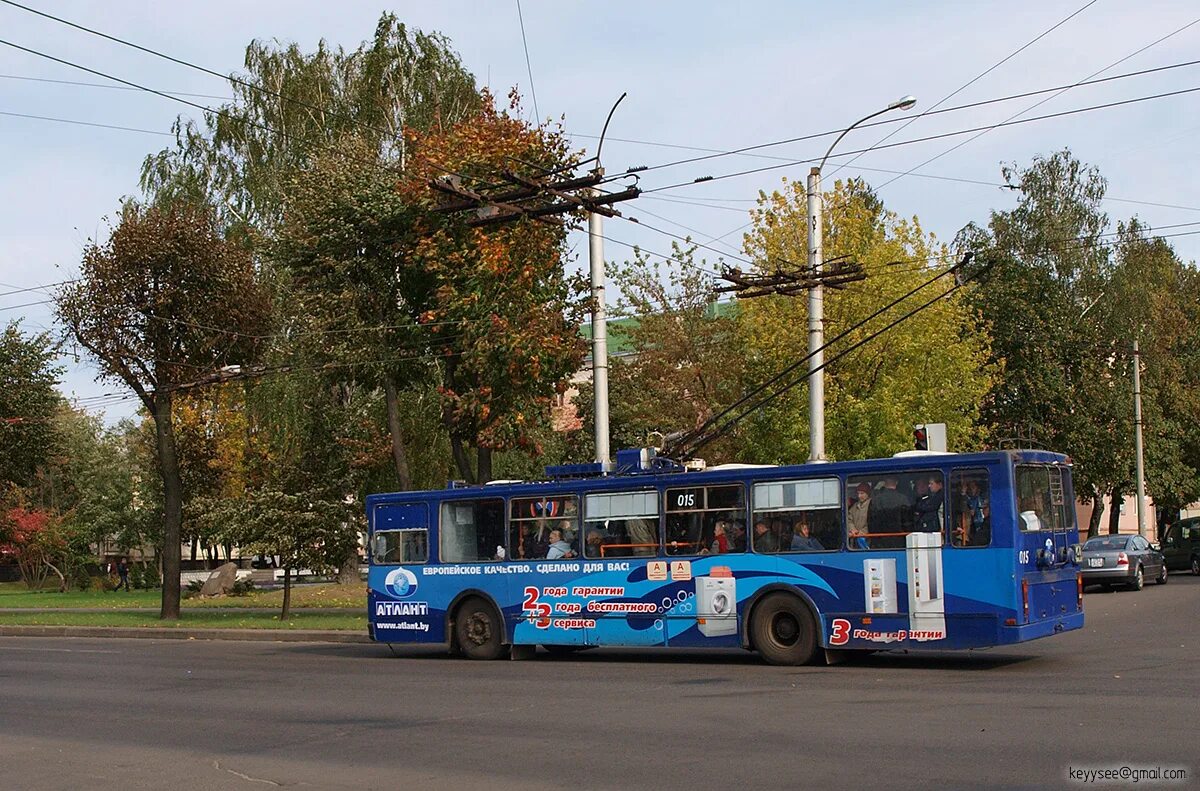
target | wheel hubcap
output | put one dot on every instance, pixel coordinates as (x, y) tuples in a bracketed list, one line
[(785, 629), (479, 630)]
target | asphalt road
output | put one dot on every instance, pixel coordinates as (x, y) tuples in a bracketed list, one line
[(126, 714)]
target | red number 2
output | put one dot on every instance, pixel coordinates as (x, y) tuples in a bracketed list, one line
[(532, 606)]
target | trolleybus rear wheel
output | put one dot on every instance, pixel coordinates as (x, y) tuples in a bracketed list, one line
[(783, 630), (478, 632)]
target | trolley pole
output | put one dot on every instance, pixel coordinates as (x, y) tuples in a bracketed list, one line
[(1137, 438), (599, 334)]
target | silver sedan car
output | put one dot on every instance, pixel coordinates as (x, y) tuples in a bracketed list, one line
[(1122, 560)]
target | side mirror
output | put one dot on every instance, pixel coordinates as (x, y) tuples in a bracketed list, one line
[(1157, 547)]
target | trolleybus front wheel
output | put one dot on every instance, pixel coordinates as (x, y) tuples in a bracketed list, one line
[(783, 630), (478, 632)]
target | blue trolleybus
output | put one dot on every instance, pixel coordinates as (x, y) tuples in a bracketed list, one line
[(919, 551)]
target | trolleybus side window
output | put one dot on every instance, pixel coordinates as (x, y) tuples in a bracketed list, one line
[(896, 504), (401, 546), (472, 530), (970, 508), (621, 524), (543, 527), (797, 516), (1041, 499), (701, 519)]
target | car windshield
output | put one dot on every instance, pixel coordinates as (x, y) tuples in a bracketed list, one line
[(1106, 542)]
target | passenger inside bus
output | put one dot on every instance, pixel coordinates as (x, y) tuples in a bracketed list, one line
[(559, 548), (970, 509), (802, 540)]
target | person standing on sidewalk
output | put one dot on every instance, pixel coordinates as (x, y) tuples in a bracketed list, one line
[(123, 573)]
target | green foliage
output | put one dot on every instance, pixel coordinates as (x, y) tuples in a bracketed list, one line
[(934, 367), (144, 577), (164, 302), (28, 404), (246, 150)]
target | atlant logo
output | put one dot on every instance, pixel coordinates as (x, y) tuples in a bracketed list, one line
[(400, 583)]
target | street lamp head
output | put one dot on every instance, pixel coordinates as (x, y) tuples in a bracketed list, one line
[(904, 103)]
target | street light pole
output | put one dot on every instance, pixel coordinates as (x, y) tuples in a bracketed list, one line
[(1137, 438), (816, 295)]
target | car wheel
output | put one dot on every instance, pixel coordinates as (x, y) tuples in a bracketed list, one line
[(1196, 565), (1139, 580), (478, 631), (783, 630), (1162, 575)]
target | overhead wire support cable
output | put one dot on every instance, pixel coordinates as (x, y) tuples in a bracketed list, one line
[(971, 81), (745, 150), (687, 437), (1037, 104), (941, 136), (700, 440)]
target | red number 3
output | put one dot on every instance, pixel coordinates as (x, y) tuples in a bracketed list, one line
[(841, 632), (539, 609)]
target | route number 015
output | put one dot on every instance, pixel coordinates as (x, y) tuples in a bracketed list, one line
[(1023, 556)]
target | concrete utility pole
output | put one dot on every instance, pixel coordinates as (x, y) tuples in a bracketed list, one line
[(816, 295), (599, 334), (1140, 471)]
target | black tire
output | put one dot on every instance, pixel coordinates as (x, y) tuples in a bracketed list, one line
[(1139, 580), (1162, 575), (1196, 565), (478, 631), (783, 630)]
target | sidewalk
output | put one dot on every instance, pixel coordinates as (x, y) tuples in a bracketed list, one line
[(184, 633)]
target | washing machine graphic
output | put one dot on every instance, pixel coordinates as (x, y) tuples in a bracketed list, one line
[(716, 603)]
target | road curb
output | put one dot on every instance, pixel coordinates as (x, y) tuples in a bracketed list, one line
[(168, 633)]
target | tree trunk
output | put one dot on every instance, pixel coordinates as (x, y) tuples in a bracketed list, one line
[(195, 547), (399, 451), (287, 593), (1097, 513), (485, 465), (461, 460), (62, 579), (348, 573), (1114, 511), (168, 465)]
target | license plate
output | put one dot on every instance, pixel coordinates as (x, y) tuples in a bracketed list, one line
[(1095, 562)]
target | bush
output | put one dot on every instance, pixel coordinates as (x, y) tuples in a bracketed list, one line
[(242, 587), (144, 577), (194, 586), (101, 583), (80, 578)]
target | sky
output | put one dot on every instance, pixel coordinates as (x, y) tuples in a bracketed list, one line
[(709, 75)]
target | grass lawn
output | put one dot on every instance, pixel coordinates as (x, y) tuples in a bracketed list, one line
[(194, 619), (13, 595)]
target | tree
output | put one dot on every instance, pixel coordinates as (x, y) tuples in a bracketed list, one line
[(1050, 309), (934, 367), (337, 119), (685, 357), (503, 316), (29, 403), (1154, 289), (163, 303), (291, 106), (39, 543), (304, 530)]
